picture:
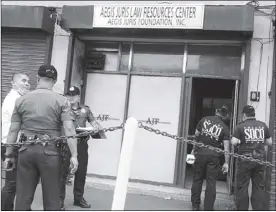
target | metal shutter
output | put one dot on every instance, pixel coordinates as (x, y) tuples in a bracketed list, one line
[(21, 52)]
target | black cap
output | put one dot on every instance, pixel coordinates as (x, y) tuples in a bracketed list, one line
[(249, 110), (47, 71), (73, 91), (223, 110)]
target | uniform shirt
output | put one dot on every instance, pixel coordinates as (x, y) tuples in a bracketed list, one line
[(42, 111), (82, 114), (252, 134), (212, 132), (7, 109)]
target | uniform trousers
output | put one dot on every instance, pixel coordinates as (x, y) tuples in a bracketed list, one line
[(34, 162), (80, 175), (247, 170), (9, 189), (205, 166)]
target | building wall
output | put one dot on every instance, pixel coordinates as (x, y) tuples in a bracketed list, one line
[(59, 56), (261, 65)]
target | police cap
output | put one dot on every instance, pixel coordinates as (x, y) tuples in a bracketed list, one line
[(73, 91), (48, 71), (249, 110)]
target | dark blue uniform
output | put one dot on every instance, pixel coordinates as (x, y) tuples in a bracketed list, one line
[(207, 164), (252, 134)]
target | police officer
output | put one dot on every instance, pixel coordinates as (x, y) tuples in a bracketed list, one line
[(211, 130), (251, 136), (82, 114), (40, 115)]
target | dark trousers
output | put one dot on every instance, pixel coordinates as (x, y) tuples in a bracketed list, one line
[(250, 170), (34, 162), (9, 189), (80, 174), (205, 166)]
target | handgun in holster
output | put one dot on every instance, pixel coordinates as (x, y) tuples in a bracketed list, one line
[(63, 147), (21, 140)]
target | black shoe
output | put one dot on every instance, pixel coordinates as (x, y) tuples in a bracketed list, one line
[(82, 203)]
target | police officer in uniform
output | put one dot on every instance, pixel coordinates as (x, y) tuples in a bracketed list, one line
[(82, 114), (211, 130), (251, 136), (40, 115)]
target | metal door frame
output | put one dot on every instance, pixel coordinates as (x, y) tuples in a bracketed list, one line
[(240, 92)]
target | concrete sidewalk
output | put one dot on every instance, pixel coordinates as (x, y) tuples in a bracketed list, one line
[(102, 200), (99, 193)]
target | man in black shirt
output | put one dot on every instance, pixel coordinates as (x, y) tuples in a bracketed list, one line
[(252, 136), (211, 130)]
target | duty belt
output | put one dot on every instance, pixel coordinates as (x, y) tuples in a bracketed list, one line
[(39, 139)]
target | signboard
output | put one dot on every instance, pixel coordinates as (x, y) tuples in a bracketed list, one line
[(149, 16)]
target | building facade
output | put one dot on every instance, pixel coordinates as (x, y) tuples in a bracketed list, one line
[(167, 65)]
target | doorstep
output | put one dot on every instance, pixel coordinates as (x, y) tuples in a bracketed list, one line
[(166, 192)]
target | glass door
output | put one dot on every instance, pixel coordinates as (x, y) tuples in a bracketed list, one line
[(155, 102)]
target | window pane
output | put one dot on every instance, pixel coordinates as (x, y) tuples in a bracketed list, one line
[(154, 156), (158, 58), (102, 56), (214, 60), (124, 57), (105, 95)]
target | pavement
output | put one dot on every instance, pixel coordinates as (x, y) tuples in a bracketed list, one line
[(99, 193)]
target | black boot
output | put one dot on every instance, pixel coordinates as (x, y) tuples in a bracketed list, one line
[(82, 203)]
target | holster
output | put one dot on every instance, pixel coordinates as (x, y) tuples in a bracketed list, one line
[(63, 148)]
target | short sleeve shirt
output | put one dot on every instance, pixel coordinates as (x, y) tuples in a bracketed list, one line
[(82, 115), (212, 132), (252, 134), (42, 111)]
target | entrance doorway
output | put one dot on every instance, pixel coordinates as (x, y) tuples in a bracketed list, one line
[(206, 96)]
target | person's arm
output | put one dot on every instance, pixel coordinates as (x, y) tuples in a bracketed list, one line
[(69, 130), (15, 127), (226, 144), (12, 136), (268, 142), (235, 141), (67, 118), (236, 137), (197, 134), (7, 111), (268, 139), (92, 121)]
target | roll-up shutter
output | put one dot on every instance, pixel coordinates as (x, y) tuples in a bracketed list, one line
[(21, 52)]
